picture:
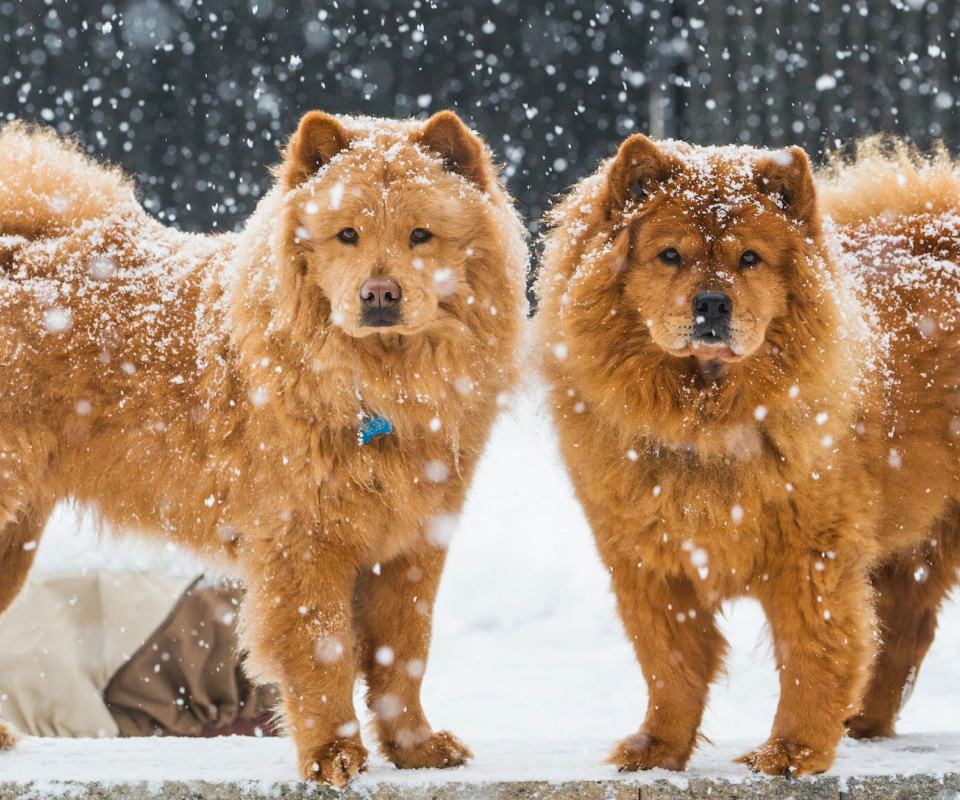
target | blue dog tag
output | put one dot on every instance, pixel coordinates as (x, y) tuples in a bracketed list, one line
[(372, 427)]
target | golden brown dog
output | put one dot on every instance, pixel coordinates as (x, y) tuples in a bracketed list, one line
[(219, 390), (752, 400)]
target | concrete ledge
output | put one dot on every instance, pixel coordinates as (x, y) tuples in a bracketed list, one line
[(914, 787), (919, 766)]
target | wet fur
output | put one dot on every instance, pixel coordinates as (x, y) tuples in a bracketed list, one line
[(201, 388), (811, 465)]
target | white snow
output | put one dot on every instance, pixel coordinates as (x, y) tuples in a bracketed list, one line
[(263, 763), (529, 665)]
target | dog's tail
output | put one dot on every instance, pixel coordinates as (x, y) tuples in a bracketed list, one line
[(48, 186), (888, 178)]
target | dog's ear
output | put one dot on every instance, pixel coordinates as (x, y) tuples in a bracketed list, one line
[(319, 138), (638, 168), (786, 176), (460, 149)]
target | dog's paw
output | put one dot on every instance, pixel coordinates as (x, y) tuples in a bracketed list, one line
[(8, 736), (334, 764), (437, 751), (781, 757), (643, 751)]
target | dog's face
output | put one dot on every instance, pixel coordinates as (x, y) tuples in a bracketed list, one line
[(387, 227), (709, 243)]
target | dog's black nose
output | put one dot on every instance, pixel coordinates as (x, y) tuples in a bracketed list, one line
[(712, 306), (380, 293), (711, 317)]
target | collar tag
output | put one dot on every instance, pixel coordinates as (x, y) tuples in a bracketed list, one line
[(372, 427)]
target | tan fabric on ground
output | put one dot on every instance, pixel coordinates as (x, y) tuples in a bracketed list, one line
[(65, 637), (187, 680)]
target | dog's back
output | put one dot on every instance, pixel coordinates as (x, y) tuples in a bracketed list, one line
[(99, 329), (49, 187), (888, 179), (897, 213)]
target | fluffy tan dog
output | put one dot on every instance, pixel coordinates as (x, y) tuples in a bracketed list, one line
[(752, 401), (218, 390)]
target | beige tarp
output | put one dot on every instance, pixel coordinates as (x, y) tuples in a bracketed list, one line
[(66, 636)]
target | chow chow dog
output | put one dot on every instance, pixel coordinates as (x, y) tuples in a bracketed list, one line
[(754, 400), (305, 400)]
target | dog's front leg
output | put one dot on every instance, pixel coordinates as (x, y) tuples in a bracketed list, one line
[(297, 626), (680, 650), (820, 614), (393, 613)]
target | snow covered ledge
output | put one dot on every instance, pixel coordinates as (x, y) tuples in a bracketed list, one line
[(914, 766)]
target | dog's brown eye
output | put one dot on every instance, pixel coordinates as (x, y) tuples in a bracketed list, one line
[(420, 235), (749, 259), (348, 236), (671, 256)]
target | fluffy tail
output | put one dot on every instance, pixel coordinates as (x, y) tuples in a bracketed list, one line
[(888, 178), (49, 186)]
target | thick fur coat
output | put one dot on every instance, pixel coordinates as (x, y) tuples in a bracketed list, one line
[(754, 400), (211, 389)]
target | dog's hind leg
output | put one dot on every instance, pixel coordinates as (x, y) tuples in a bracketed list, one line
[(18, 546), (8, 737), (26, 500), (393, 612), (910, 588)]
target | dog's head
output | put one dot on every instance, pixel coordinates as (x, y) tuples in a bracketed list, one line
[(692, 292), (385, 218), (707, 245)]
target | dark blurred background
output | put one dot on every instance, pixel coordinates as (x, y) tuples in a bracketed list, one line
[(196, 96)]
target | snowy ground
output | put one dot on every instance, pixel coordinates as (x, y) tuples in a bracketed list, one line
[(269, 762), (529, 664)]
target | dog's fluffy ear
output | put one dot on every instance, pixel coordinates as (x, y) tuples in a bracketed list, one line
[(460, 149), (637, 169), (786, 176), (318, 139)]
